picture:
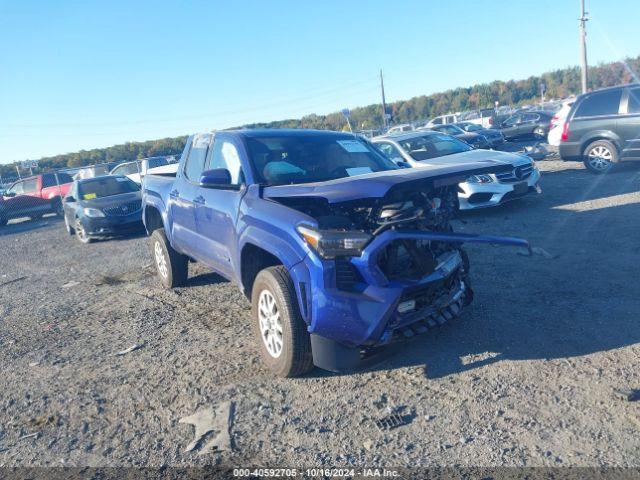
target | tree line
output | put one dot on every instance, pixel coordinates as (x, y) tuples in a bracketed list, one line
[(558, 84)]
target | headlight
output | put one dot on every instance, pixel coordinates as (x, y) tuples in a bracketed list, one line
[(92, 212), (479, 179), (334, 243)]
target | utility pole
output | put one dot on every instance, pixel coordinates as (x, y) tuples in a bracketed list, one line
[(384, 103), (583, 45)]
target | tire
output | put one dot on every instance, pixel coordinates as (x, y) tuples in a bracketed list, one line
[(599, 156), (56, 206), (70, 230), (81, 234), (293, 358), (172, 267), (539, 133)]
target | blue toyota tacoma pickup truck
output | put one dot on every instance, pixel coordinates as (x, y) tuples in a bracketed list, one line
[(338, 249)]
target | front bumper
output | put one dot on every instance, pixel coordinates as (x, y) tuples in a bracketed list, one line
[(483, 195), (108, 226), (346, 323)]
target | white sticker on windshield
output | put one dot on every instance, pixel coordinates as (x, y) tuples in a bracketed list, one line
[(358, 171), (353, 146)]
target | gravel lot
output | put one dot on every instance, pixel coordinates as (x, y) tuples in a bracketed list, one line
[(526, 377)]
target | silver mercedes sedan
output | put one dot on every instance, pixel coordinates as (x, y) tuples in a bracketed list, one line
[(424, 149)]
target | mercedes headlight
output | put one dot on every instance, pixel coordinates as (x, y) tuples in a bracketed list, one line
[(479, 179), (334, 243)]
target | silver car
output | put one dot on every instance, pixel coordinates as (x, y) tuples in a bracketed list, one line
[(424, 149)]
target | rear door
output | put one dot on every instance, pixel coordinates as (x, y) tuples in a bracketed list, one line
[(628, 124), (183, 195), (217, 208)]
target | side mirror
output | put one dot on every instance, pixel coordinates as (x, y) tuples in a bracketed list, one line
[(218, 177), (69, 199), (400, 162)]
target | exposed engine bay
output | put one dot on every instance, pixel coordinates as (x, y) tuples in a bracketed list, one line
[(408, 208)]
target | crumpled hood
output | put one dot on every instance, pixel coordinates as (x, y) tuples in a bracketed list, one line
[(377, 185)]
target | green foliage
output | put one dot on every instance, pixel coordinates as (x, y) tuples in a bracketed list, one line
[(559, 84)]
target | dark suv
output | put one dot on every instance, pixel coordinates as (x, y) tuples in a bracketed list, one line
[(603, 128)]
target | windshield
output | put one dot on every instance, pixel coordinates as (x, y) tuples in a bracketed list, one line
[(471, 127), (432, 146), (282, 160), (154, 162), (105, 187)]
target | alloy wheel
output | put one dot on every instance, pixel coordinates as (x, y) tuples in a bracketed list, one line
[(599, 157), (161, 260), (271, 329)]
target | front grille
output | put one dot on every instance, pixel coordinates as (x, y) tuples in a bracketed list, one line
[(516, 175), (346, 274), (124, 209)]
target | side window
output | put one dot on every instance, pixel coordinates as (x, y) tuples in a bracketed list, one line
[(64, 178), (605, 103), (48, 180), (30, 185), (197, 155), (225, 155), (530, 117), (389, 150), (634, 101), (437, 121), (511, 121), (17, 188)]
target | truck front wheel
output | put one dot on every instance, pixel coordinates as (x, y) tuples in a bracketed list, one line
[(283, 340), (172, 267)]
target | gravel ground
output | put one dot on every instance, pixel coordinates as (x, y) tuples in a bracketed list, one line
[(526, 377)]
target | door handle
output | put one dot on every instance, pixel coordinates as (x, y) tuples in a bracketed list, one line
[(199, 200), (174, 193)]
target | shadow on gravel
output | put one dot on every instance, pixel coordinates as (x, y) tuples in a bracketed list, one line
[(582, 301), (27, 225), (209, 278)]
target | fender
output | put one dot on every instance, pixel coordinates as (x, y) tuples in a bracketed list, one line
[(153, 199)]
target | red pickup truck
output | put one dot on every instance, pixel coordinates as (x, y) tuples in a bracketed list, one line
[(35, 196)]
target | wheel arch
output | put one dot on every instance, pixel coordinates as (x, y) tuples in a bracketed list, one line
[(254, 259), (601, 136)]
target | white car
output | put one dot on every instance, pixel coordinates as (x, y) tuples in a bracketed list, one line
[(557, 123), (137, 169), (425, 149), (405, 127), (443, 120)]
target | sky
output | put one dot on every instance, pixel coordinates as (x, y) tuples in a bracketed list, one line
[(86, 74)]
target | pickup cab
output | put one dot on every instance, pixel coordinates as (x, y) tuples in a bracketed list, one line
[(35, 196), (339, 250)]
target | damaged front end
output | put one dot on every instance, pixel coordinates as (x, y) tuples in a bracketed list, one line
[(386, 268)]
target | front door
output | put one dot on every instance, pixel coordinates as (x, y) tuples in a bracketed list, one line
[(510, 126), (217, 209)]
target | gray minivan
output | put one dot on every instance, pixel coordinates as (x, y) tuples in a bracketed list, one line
[(603, 128)]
